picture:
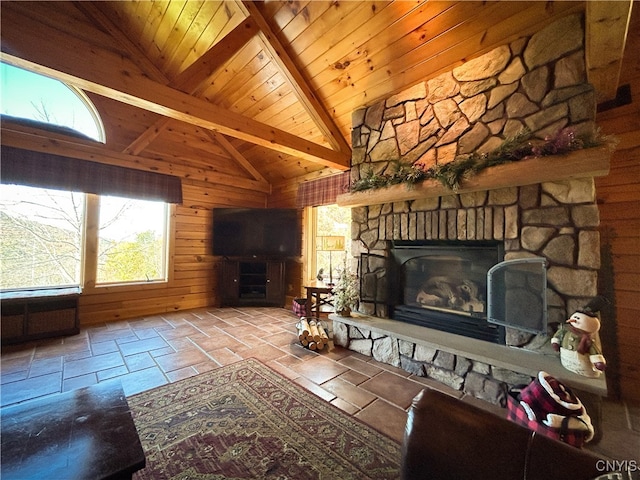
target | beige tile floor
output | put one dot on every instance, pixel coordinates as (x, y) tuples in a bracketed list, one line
[(152, 351)]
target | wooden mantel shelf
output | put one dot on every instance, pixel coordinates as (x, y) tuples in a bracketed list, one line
[(591, 162)]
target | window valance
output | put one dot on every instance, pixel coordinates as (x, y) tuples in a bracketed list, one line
[(37, 169), (322, 191)]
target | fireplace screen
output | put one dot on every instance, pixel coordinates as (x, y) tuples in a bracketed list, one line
[(517, 292)]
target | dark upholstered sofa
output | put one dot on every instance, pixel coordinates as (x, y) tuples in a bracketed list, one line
[(447, 438)]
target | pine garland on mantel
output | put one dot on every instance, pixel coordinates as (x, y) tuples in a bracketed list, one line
[(452, 174)]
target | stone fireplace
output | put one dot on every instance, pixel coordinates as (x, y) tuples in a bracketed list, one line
[(554, 220), (538, 83)]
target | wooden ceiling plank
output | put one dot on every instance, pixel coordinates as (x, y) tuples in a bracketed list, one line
[(149, 15), (304, 19), (264, 83), (65, 17), (167, 24), (333, 26), (181, 29), (299, 84), (96, 15), (270, 114), (282, 13), (237, 73), (362, 42), (607, 25), (221, 24), (273, 98)]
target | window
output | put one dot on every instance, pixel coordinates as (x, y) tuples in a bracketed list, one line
[(331, 241), (44, 239), (41, 241), (132, 240)]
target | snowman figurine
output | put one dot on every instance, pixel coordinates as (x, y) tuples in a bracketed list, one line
[(577, 342)]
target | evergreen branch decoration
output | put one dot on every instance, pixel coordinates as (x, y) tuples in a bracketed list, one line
[(463, 167)]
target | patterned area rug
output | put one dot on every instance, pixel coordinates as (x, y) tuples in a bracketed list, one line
[(245, 421)]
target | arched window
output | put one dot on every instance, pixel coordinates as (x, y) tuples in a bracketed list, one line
[(38, 98)]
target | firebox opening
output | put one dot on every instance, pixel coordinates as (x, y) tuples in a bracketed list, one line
[(443, 285)]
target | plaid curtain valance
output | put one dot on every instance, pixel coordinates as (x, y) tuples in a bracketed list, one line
[(37, 169), (322, 191)]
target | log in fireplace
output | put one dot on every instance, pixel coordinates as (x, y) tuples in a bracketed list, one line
[(443, 285)]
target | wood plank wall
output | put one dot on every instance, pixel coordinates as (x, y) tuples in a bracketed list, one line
[(619, 201)]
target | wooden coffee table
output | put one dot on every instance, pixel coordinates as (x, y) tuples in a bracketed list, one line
[(82, 434)]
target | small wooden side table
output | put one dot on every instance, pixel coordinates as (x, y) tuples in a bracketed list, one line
[(320, 292)]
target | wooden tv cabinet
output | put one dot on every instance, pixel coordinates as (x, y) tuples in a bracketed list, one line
[(252, 282)]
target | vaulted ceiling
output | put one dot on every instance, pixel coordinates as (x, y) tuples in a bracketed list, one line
[(257, 94)]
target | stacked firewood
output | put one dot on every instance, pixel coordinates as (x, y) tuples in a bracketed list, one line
[(312, 334)]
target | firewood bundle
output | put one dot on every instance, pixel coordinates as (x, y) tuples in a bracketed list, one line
[(312, 334)]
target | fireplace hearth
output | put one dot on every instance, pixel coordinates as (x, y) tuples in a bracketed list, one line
[(443, 285)]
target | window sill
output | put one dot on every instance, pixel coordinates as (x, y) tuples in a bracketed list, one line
[(39, 293)]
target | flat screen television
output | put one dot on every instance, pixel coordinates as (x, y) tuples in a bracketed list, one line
[(245, 232)]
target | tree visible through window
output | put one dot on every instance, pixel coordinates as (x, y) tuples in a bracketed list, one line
[(41, 239), (132, 239)]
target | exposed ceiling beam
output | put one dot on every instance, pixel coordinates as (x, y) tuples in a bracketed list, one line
[(243, 162), (607, 24), (191, 80), (193, 77), (299, 84)]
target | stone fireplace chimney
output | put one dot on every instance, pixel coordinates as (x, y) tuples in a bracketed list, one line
[(536, 83)]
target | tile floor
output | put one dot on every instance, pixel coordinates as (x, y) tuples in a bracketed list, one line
[(152, 351)]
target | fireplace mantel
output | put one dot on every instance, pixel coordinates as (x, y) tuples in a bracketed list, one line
[(591, 162)]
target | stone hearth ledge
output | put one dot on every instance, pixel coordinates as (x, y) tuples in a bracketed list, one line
[(509, 358)]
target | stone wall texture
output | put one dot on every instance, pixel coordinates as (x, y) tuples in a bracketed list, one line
[(538, 82), (478, 379)]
